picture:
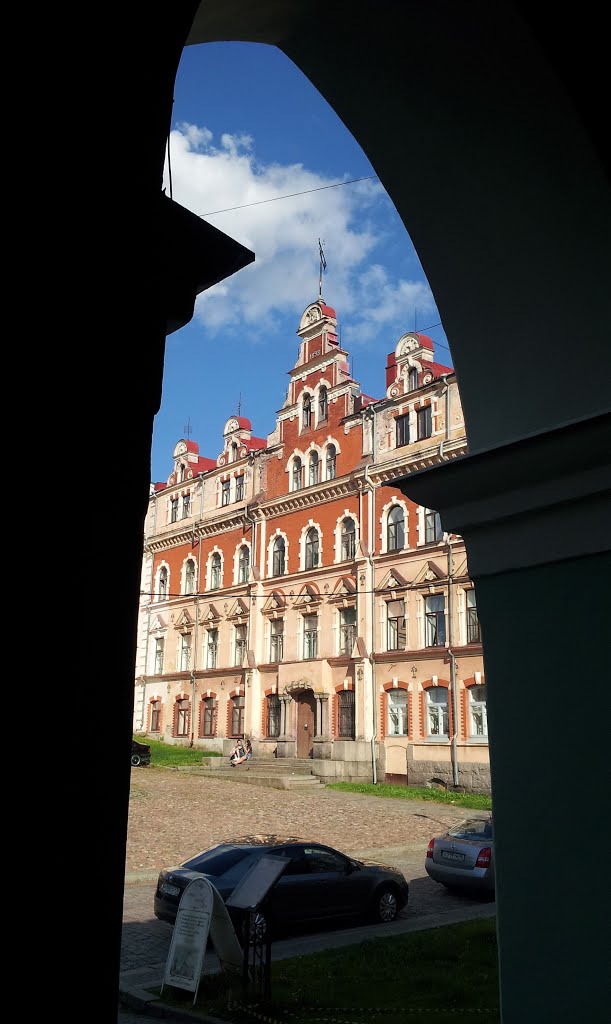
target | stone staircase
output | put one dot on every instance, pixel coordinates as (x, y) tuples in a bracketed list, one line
[(275, 773)]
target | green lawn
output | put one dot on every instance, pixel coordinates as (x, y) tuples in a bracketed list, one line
[(475, 801), (440, 976), (171, 754)]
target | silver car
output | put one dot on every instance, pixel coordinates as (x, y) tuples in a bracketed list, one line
[(463, 857)]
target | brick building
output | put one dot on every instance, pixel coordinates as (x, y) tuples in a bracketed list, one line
[(290, 592)]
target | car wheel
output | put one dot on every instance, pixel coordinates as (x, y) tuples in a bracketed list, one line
[(135, 760), (385, 907), (256, 926)]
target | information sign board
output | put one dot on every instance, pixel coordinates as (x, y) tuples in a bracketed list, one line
[(255, 885)]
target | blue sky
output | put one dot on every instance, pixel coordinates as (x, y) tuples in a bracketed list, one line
[(248, 126)]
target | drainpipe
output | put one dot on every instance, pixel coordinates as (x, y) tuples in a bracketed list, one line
[(446, 392), (370, 545), (454, 751)]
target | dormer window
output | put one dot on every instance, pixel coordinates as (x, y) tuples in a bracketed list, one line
[(181, 472), (412, 380), (234, 452)]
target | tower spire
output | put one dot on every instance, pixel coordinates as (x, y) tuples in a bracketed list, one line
[(323, 267)]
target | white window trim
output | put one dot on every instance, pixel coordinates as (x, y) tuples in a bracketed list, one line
[(338, 533), (270, 554), (215, 551), (302, 545), (384, 525), (236, 561), (162, 565)]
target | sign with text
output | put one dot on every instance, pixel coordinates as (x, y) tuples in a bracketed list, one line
[(256, 884)]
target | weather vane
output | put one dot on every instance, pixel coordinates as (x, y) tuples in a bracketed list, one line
[(188, 428), (323, 266)]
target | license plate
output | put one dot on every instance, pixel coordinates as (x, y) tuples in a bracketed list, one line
[(169, 890), (450, 855)]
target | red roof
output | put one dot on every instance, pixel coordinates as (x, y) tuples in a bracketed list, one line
[(425, 341), (328, 311), (192, 446), (160, 486), (244, 423), (437, 368), (204, 464), (256, 442)]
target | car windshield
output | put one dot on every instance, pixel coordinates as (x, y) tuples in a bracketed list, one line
[(472, 828), (218, 860)]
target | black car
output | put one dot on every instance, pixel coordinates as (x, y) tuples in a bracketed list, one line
[(318, 883), (141, 753)]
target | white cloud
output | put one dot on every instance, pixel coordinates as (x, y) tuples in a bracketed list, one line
[(351, 220)]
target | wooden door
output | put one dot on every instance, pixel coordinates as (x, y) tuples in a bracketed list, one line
[(306, 718)]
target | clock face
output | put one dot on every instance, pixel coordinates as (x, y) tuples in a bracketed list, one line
[(180, 448), (231, 425)]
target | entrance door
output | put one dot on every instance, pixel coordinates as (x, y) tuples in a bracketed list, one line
[(306, 710)]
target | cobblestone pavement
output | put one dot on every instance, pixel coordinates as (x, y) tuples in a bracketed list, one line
[(173, 815)]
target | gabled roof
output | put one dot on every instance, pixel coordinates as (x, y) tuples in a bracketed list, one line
[(239, 609), (275, 602), (309, 594), (212, 615), (184, 619), (344, 588)]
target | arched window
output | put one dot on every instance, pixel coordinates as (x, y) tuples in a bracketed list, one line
[(348, 539), (181, 473), (395, 534), (323, 405), (234, 452), (313, 468), (215, 571), (307, 411), (412, 380), (243, 564), (163, 583), (297, 474), (278, 567), (311, 548), (331, 461), (190, 577)]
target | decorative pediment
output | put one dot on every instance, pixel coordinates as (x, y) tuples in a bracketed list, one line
[(393, 581), (430, 573), (308, 595), (157, 623), (212, 616), (239, 610), (345, 591), (184, 623), (275, 604), (461, 571)]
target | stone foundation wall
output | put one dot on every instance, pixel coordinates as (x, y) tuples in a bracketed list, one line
[(473, 778)]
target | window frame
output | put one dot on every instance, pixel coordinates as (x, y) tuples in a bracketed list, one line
[(331, 462), (348, 540), (310, 637), (432, 619), (402, 430), (400, 727), (279, 556), (424, 423), (312, 548), (394, 632), (392, 528)]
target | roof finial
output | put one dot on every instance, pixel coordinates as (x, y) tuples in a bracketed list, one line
[(239, 403), (323, 266)]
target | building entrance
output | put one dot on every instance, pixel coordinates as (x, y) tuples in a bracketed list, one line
[(306, 718)]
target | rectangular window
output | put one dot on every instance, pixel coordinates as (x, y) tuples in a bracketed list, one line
[(424, 421), (186, 506), (240, 645), (347, 630), (345, 715), (174, 510), (276, 642), (402, 423), (433, 531), (185, 653), (159, 649), (239, 488), (310, 636), (477, 712), (182, 718), (225, 492), (155, 715), (437, 702), (213, 647), (397, 712), (237, 716), (473, 635), (396, 635), (435, 620), (209, 717), (273, 715)]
